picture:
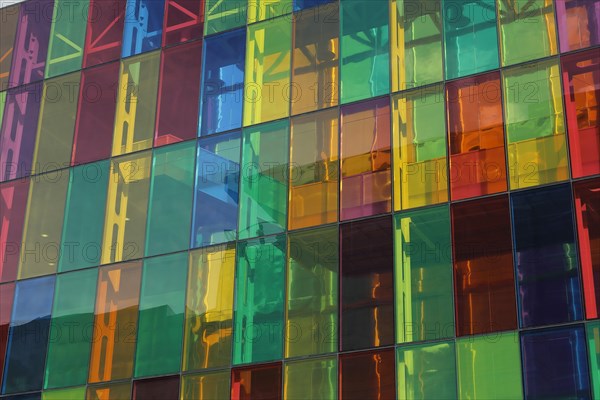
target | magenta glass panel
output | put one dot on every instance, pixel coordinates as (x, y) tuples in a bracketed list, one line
[(184, 20), (13, 201), (157, 388), (106, 19), (19, 126), (96, 114), (578, 23)]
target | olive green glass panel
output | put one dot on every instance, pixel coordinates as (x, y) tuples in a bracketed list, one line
[(171, 196), (365, 69), (71, 329), (423, 275), (259, 300), (416, 43), (535, 126), (259, 10), (42, 230), (77, 393), (427, 371), (470, 37), (420, 152), (67, 36), (136, 103), (222, 15), (312, 292), (527, 30), (209, 308), (160, 324), (489, 366), (126, 205), (114, 391), (56, 125), (593, 338), (84, 216), (268, 71), (209, 385), (2, 102), (311, 379), (264, 180)]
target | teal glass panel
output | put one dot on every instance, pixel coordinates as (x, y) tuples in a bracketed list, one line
[(470, 36), (311, 379), (264, 180), (593, 338), (365, 68), (71, 329), (171, 197), (160, 324), (259, 300), (222, 15)]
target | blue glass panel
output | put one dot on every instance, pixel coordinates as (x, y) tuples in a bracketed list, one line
[(561, 373), (302, 4), (546, 257), (223, 82), (28, 335), (143, 26), (217, 190)]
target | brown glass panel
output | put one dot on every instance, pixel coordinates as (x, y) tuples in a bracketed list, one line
[(258, 382), (369, 375), (157, 388)]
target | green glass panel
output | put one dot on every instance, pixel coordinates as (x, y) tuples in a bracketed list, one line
[(423, 274), (312, 292), (210, 385), (67, 35), (84, 216), (2, 102), (311, 379), (427, 371), (259, 10), (222, 15), (470, 36), (77, 393), (365, 69), (264, 180), (160, 324), (593, 337), (489, 366), (259, 297), (171, 183), (71, 329), (527, 30)]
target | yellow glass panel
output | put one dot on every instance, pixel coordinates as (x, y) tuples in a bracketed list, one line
[(259, 10), (209, 385), (311, 379), (115, 391)]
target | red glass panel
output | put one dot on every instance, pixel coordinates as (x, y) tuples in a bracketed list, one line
[(262, 382), (184, 20), (7, 292), (369, 375), (106, 19), (13, 201), (156, 389)]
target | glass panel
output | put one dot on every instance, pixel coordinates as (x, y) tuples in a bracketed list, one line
[(115, 391), (368, 375), (96, 114), (302, 4), (315, 64), (157, 388), (217, 190), (160, 331), (104, 31), (222, 15), (115, 324), (311, 379), (8, 30), (171, 195), (142, 31), (77, 393), (535, 127), (28, 335), (470, 37), (126, 208), (67, 36), (7, 292), (264, 186), (136, 104), (184, 20), (17, 135), (27, 396), (43, 224), (365, 51), (476, 136), (267, 86), (578, 23), (581, 81), (223, 82), (259, 304), (259, 382), (84, 216), (312, 292), (13, 203), (546, 257), (366, 160), (71, 329), (367, 284), (208, 385), (419, 135), (56, 124), (489, 367), (427, 371), (593, 339), (178, 94), (560, 373), (423, 265), (259, 10), (484, 282), (416, 43), (2, 101), (209, 312), (314, 174)]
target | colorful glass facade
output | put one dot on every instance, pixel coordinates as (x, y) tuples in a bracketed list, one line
[(294, 199)]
